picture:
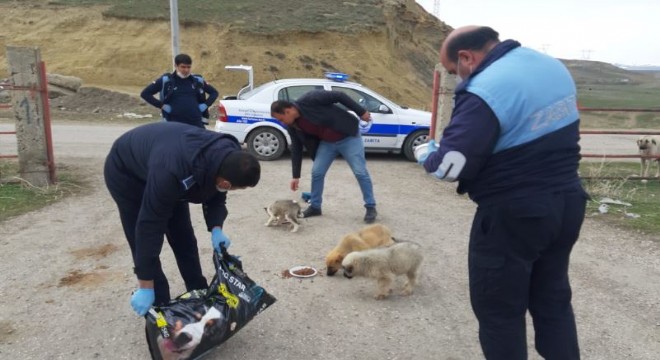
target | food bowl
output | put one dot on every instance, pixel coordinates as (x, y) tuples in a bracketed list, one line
[(420, 150), (303, 271)]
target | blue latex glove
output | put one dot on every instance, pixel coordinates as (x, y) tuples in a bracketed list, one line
[(218, 238), (167, 108), (202, 107), (432, 146), (141, 300)]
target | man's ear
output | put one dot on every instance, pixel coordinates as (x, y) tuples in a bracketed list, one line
[(221, 182)]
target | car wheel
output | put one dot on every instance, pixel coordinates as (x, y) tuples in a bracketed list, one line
[(266, 143), (416, 138)]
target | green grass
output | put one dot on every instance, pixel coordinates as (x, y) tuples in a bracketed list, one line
[(644, 197), (17, 197), (619, 96)]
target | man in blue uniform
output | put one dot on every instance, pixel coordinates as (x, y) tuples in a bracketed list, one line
[(152, 173), (512, 144), (317, 122), (182, 94)]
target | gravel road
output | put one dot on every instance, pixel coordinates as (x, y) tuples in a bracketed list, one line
[(67, 274)]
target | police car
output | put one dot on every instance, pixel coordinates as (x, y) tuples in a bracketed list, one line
[(246, 116)]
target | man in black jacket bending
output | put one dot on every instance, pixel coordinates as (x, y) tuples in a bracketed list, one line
[(316, 122), (152, 173), (182, 94)]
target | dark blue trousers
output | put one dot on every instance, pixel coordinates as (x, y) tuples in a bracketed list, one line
[(127, 192), (518, 260)]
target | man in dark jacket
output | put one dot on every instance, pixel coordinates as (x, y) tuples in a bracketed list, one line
[(512, 144), (326, 130), (182, 94), (152, 173)]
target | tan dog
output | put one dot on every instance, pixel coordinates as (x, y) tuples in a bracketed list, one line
[(368, 237), (384, 264), (648, 146)]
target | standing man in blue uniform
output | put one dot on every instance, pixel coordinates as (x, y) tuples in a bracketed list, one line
[(182, 94), (512, 144), (152, 173), (317, 122)]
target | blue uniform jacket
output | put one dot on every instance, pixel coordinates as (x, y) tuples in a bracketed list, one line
[(175, 162), (502, 159), (183, 95)]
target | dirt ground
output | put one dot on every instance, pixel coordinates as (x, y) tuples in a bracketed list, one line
[(67, 277)]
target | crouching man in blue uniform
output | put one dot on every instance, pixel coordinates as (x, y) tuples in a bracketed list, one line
[(152, 173), (512, 144)]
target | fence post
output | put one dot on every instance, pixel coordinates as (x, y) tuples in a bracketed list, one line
[(28, 105), (445, 101)]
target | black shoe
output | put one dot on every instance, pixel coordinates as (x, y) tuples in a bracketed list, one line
[(370, 216), (311, 211)]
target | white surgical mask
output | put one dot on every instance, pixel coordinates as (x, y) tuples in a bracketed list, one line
[(181, 75), (221, 189)]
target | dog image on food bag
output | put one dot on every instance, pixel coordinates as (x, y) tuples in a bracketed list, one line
[(184, 339), (648, 146), (384, 264), (368, 237), (283, 211)]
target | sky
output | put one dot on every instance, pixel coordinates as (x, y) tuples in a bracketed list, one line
[(624, 32)]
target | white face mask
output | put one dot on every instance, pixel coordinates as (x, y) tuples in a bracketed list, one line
[(221, 189), (181, 75)]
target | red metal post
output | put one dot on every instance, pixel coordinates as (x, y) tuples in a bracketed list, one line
[(434, 106), (47, 123)]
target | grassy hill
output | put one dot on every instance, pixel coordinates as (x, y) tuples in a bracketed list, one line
[(388, 45)]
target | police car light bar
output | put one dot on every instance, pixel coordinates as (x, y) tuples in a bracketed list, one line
[(336, 76)]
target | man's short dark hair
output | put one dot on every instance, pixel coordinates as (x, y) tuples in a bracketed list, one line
[(182, 59), (278, 106), (474, 40), (240, 169)]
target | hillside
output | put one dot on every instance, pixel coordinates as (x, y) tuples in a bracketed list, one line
[(388, 45)]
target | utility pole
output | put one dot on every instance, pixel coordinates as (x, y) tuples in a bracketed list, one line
[(436, 8), (174, 24)]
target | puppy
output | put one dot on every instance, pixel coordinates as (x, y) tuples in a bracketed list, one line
[(384, 264), (184, 339), (282, 211), (648, 146), (368, 237)]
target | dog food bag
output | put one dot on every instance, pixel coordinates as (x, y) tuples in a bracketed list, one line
[(200, 320)]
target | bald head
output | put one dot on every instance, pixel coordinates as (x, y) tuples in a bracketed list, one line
[(469, 44)]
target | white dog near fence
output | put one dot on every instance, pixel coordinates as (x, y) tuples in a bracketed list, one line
[(648, 146)]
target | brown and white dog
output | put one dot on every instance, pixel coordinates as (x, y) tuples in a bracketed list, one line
[(368, 237), (648, 146)]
